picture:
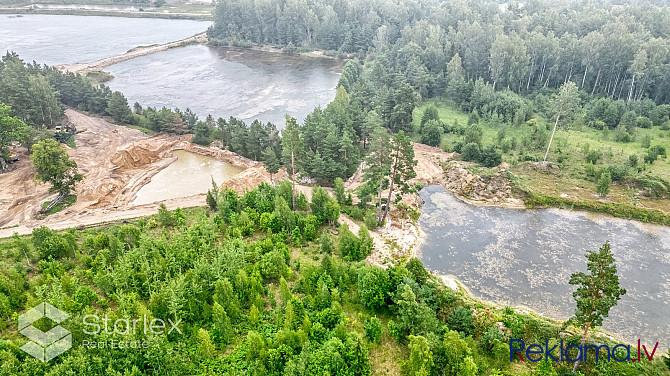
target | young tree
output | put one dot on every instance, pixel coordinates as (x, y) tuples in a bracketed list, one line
[(292, 148), (54, 166), (420, 358), (271, 161), (604, 184), (338, 188), (564, 104), (597, 292), (11, 129)]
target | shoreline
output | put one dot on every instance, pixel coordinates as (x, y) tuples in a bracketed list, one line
[(139, 51), (452, 282), (105, 13)]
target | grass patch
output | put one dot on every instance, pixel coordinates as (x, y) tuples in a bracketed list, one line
[(142, 129), (613, 209), (99, 77), (68, 202)]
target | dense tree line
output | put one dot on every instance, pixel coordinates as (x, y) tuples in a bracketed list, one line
[(616, 51), (38, 94)]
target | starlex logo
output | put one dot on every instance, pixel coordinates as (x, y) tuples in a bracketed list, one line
[(547, 353), (45, 345)]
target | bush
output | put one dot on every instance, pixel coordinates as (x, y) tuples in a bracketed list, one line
[(644, 122), (604, 184), (461, 321), (592, 156), (431, 134), (371, 219), (490, 337), (471, 152), (373, 329), (490, 157)]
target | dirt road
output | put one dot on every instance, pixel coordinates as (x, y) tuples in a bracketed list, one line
[(116, 162), (134, 53)]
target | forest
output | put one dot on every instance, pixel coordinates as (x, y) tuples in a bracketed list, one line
[(259, 289)]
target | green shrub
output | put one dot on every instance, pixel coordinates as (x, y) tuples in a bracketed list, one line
[(461, 321), (373, 329)]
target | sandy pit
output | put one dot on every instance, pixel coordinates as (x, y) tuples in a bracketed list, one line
[(116, 162)]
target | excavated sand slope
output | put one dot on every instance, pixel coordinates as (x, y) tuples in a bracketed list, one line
[(116, 162)]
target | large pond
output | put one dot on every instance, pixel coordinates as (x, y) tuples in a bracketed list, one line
[(526, 257), (59, 39), (228, 82), (190, 174)]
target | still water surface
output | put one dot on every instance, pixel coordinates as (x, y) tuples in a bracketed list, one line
[(60, 39), (525, 257), (190, 174), (228, 82)]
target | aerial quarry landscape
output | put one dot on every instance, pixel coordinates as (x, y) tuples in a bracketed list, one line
[(322, 187)]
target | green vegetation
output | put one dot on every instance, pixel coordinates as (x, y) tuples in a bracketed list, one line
[(55, 167), (69, 201), (11, 130), (504, 90), (597, 292), (253, 298)]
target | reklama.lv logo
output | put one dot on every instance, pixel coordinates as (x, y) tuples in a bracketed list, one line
[(539, 353)]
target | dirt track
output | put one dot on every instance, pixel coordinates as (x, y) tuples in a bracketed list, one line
[(134, 53), (116, 162)]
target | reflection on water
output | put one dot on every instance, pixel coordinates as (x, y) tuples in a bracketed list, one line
[(60, 39), (245, 84), (525, 257), (189, 175)]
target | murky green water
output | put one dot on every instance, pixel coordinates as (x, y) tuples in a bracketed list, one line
[(60, 39), (525, 257), (189, 175), (228, 82)]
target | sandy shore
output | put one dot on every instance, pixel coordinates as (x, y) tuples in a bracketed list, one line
[(132, 54)]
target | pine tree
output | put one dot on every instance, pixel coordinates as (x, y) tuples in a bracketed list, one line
[(292, 148), (378, 163), (402, 167), (597, 292), (271, 161)]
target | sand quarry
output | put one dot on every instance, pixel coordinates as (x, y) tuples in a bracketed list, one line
[(116, 162)]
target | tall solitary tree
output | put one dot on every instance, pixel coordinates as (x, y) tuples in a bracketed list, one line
[(402, 166), (54, 166), (564, 104), (378, 162), (292, 148), (597, 292)]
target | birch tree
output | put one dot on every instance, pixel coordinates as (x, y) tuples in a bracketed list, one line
[(564, 104)]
